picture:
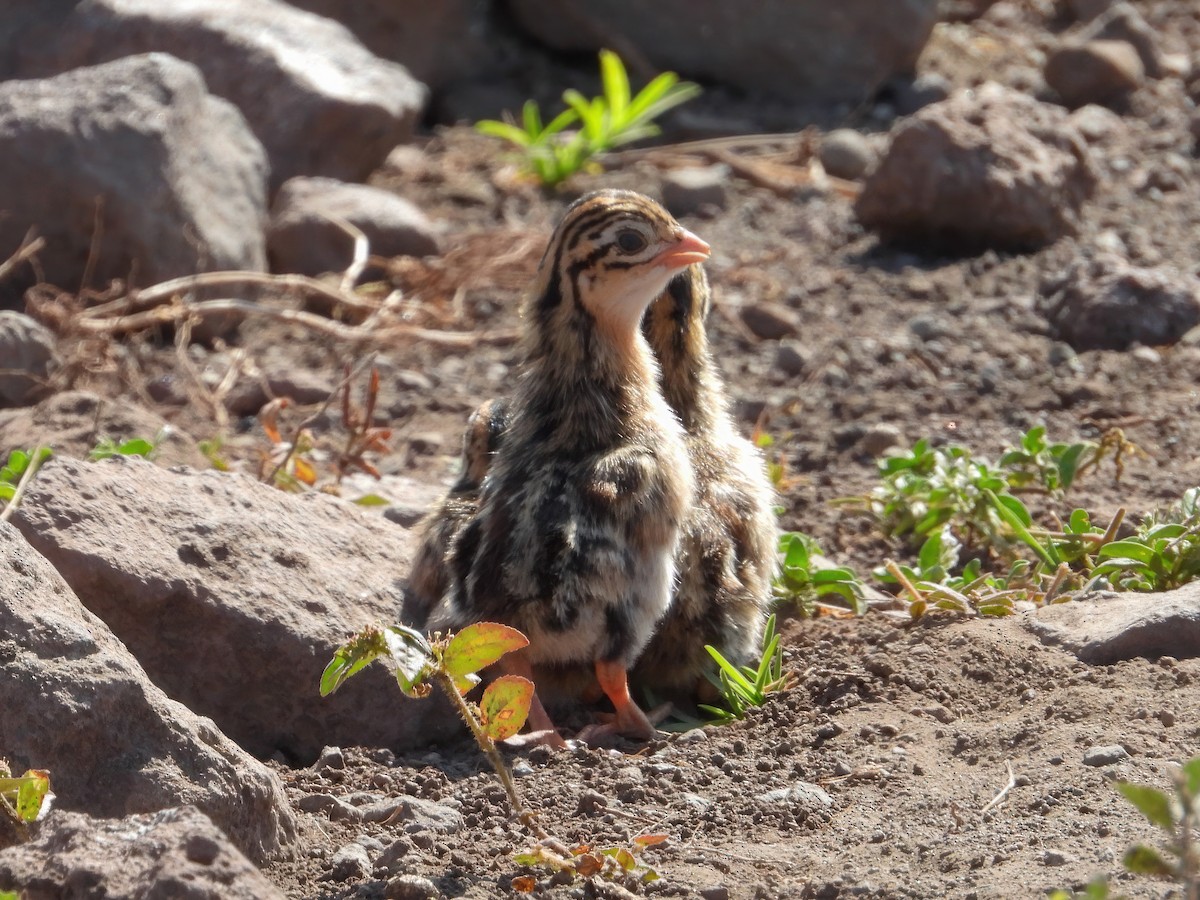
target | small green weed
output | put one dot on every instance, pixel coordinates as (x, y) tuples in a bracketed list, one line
[(748, 686), (552, 154), (1178, 816), (801, 581), (1097, 889), (1163, 554), (107, 448)]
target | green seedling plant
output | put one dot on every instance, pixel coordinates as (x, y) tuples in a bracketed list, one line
[(106, 448), (553, 153), (744, 687), (453, 663), (1177, 814), (804, 582), (26, 798), (1163, 554), (1039, 464)]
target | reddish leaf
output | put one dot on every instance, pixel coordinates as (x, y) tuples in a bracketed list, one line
[(524, 884), (588, 864), (478, 646), (505, 706)]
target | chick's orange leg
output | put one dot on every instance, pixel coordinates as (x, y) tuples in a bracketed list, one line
[(541, 729), (630, 720)]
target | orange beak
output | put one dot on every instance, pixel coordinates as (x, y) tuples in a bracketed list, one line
[(685, 251)]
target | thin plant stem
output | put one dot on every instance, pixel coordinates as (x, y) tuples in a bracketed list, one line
[(488, 746)]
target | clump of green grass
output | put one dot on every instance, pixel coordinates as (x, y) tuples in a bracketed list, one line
[(553, 151), (15, 475), (744, 687)]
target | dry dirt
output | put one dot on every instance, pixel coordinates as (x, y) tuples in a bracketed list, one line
[(909, 730)]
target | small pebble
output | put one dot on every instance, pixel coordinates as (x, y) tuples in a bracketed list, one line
[(771, 321), (687, 191), (410, 887), (330, 758), (1105, 756), (350, 861), (845, 153), (716, 892), (1055, 858)]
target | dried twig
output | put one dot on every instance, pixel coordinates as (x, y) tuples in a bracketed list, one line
[(30, 246), (1012, 783), (180, 310)]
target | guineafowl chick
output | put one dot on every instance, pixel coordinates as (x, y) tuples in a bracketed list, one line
[(429, 578), (728, 546), (578, 526)]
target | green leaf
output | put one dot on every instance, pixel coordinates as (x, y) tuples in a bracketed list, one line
[(532, 118), (1151, 803), (615, 82), (1133, 550), (1144, 860), (353, 656), (1080, 522), (136, 447), (410, 657), (372, 500), (35, 786), (7, 491), (505, 706), (478, 646), (1191, 777), (505, 131)]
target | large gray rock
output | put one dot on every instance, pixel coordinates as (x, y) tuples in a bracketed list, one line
[(76, 702), (810, 51), (1103, 628), (233, 596), (1104, 303), (303, 236), (177, 853), (985, 168), (319, 101), (140, 148), (437, 42)]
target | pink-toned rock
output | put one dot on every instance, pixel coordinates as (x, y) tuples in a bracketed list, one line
[(177, 853), (76, 702), (233, 596), (1094, 72), (320, 102), (985, 168), (139, 147)]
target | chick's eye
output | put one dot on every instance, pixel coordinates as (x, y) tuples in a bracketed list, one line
[(630, 241)]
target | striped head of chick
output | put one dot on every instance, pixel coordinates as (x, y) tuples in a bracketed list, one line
[(727, 549), (429, 578), (579, 519)]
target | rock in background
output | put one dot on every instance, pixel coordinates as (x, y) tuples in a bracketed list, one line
[(813, 52), (30, 354), (985, 168), (129, 155), (233, 596), (76, 702), (305, 237), (320, 102), (1104, 303)]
